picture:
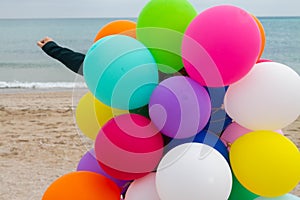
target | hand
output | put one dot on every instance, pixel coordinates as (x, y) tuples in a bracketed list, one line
[(44, 41)]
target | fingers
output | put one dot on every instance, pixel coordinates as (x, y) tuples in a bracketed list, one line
[(47, 39), (40, 43), (44, 41)]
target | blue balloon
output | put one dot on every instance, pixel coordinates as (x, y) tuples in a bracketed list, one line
[(218, 122), (219, 119), (121, 72), (213, 141), (284, 197), (204, 137), (217, 95)]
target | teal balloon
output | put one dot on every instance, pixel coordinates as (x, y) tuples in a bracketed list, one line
[(239, 192), (284, 197), (121, 72), (160, 26)]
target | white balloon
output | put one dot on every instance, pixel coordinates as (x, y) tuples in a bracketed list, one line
[(143, 189), (267, 98), (284, 197), (193, 171)]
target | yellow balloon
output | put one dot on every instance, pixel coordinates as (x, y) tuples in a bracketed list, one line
[(92, 114), (266, 163)]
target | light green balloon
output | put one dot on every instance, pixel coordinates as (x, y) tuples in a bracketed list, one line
[(161, 26), (284, 197)]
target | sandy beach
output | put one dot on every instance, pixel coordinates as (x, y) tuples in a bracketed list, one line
[(39, 142)]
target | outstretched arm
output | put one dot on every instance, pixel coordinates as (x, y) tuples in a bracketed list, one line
[(72, 60)]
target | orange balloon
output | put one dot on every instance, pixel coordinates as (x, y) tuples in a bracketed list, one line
[(262, 35), (82, 185), (123, 27)]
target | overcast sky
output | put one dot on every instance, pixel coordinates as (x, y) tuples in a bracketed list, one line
[(130, 8)]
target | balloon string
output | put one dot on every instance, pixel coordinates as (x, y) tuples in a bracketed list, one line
[(228, 144), (208, 131), (217, 120), (222, 107)]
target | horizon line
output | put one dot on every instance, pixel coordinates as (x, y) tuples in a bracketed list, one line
[(132, 17)]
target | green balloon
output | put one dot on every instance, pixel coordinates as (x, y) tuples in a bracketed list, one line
[(238, 192), (161, 26)]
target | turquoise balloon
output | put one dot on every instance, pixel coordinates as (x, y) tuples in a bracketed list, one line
[(160, 26), (121, 72), (284, 197)]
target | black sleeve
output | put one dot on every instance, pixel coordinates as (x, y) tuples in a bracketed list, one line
[(72, 60)]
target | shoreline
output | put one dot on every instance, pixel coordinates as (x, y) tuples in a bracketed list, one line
[(39, 140), (33, 90)]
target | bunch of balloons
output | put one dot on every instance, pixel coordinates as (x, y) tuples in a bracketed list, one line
[(162, 94)]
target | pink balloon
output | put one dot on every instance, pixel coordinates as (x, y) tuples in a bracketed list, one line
[(234, 131), (128, 147), (143, 188), (280, 132), (220, 46)]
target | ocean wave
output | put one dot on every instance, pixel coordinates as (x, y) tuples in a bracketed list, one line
[(41, 85)]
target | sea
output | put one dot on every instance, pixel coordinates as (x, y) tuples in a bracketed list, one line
[(24, 65)]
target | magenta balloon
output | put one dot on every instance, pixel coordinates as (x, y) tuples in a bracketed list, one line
[(129, 147), (220, 46), (179, 107), (89, 163)]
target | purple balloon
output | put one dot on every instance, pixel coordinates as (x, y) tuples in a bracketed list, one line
[(89, 163), (179, 107)]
